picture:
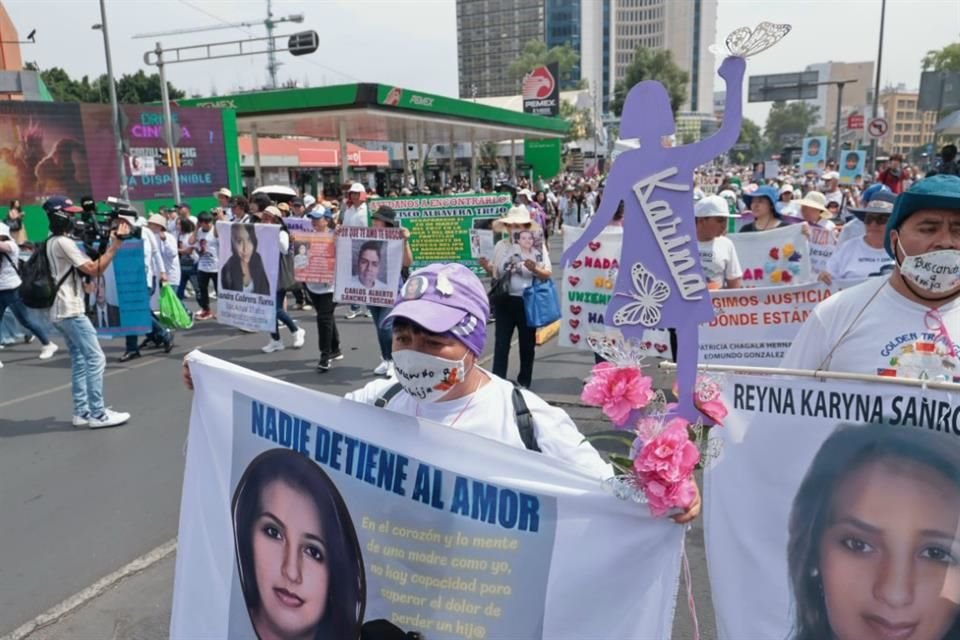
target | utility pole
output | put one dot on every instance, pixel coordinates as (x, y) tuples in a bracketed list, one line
[(836, 127), (876, 86), (168, 125), (114, 107), (272, 63)]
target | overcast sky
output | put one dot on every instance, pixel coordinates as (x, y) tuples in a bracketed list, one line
[(413, 43)]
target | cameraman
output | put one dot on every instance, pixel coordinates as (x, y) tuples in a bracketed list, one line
[(87, 361)]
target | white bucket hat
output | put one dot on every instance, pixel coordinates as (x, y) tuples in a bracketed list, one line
[(516, 215)]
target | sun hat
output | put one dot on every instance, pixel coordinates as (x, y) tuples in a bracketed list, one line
[(882, 202), (284, 207), (713, 207), (157, 219), (787, 188), (272, 211), (446, 298), (516, 215), (357, 187), (766, 191), (386, 214), (224, 192), (936, 192), (815, 200), (830, 175)]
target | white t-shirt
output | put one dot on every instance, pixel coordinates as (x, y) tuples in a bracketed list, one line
[(208, 250), (856, 260), (491, 415), (892, 337), (834, 196), (9, 279), (355, 216), (62, 252), (170, 257), (720, 262), (852, 229)]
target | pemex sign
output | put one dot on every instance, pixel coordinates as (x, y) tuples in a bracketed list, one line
[(541, 91)]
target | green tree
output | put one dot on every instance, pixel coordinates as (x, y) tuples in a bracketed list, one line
[(535, 53), (652, 64), (581, 121), (946, 59), (752, 137), (137, 88), (787, 118)]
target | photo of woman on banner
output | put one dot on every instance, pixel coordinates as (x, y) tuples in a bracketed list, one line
[(299, 561), (874, 550), (244, 269)]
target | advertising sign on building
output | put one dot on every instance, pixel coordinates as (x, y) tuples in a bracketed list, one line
[(541, 91)]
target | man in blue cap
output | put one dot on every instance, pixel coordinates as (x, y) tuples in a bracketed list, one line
[(903, 325)]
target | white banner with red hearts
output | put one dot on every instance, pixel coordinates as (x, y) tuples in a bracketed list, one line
[(587, 287), (773, 258)]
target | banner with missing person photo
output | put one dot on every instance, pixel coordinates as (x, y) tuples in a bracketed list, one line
[(247, 286), (369, 264), (304, 515), (832, 510)]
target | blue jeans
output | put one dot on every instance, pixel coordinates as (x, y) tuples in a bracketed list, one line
[(10, 299), (188, 273), (384, 334), (87, 363), (283, 316)]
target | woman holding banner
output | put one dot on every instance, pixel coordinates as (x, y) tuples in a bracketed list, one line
[(271, 215), (321, 295), (298, 558), (874, 549)]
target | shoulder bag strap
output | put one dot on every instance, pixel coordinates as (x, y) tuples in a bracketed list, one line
[(388, 395), (524, 421)]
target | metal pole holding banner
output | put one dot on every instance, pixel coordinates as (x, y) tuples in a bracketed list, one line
[(114, 107), (876, 87), (168, 124)]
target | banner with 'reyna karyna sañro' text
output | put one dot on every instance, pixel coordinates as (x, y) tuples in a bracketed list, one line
[(832, 510), (449, 228), (300, 509)]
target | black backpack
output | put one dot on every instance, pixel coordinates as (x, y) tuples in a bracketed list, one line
[(520, 411), (39, 290)]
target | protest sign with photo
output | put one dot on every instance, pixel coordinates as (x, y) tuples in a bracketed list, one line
[(454, 546), (586, 290), (814, 154), (249, 261), (369, 261), (314, 256), (119, 298), (440, 226), (776, 257), (817, 530), (822, 244), (481, 244), (852, 166), (755, 327)]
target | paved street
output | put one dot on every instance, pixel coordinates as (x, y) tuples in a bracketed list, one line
[(79, 504)]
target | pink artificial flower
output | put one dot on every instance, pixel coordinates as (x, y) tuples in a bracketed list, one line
[(714, 409), (707, 399), (664, 468), (618, 390)]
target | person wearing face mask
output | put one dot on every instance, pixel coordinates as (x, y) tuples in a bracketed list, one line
[(905, 324), (439, 331)]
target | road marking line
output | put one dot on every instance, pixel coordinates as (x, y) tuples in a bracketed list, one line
[(109, 374), (77, 600)]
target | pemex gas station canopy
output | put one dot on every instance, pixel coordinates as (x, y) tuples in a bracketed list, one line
[(376, 112)]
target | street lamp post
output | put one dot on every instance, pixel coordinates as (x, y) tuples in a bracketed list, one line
[(114, 107), (876, 85)]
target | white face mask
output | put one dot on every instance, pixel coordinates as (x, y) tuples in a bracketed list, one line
[(937, 272), (425, 377)]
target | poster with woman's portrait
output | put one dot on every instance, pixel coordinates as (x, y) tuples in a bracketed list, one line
[(249, 259), (833, 511), (369, 260)]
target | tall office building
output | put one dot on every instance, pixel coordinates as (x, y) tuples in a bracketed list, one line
[(604, 32), (855, 94)]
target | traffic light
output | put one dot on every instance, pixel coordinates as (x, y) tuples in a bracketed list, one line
[(300, 44), (164, 157), (179, 159)]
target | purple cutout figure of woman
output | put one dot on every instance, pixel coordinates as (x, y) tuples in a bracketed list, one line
[(660, 282)]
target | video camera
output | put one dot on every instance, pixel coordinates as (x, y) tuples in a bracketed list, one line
[(94, 227)]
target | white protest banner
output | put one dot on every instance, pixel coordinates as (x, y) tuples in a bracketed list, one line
[(586, 289), (755, 327), (369, 260), (499, 542), (823, 242), (815, 530), (776, 257), (249, 260)]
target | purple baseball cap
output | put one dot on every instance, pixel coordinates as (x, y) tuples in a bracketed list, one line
[(446, 298)]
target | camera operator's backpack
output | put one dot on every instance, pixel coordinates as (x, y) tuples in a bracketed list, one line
[(39, 290)]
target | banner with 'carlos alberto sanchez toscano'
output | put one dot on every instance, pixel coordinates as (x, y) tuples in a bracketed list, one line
[(310, 513)]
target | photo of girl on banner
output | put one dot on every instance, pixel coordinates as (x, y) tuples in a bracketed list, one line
[(299, 562), (873, 549), (248, 262), (852, 166), (814, 154)]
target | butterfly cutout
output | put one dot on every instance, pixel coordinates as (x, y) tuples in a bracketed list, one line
[(650, 295), (745, 42)]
